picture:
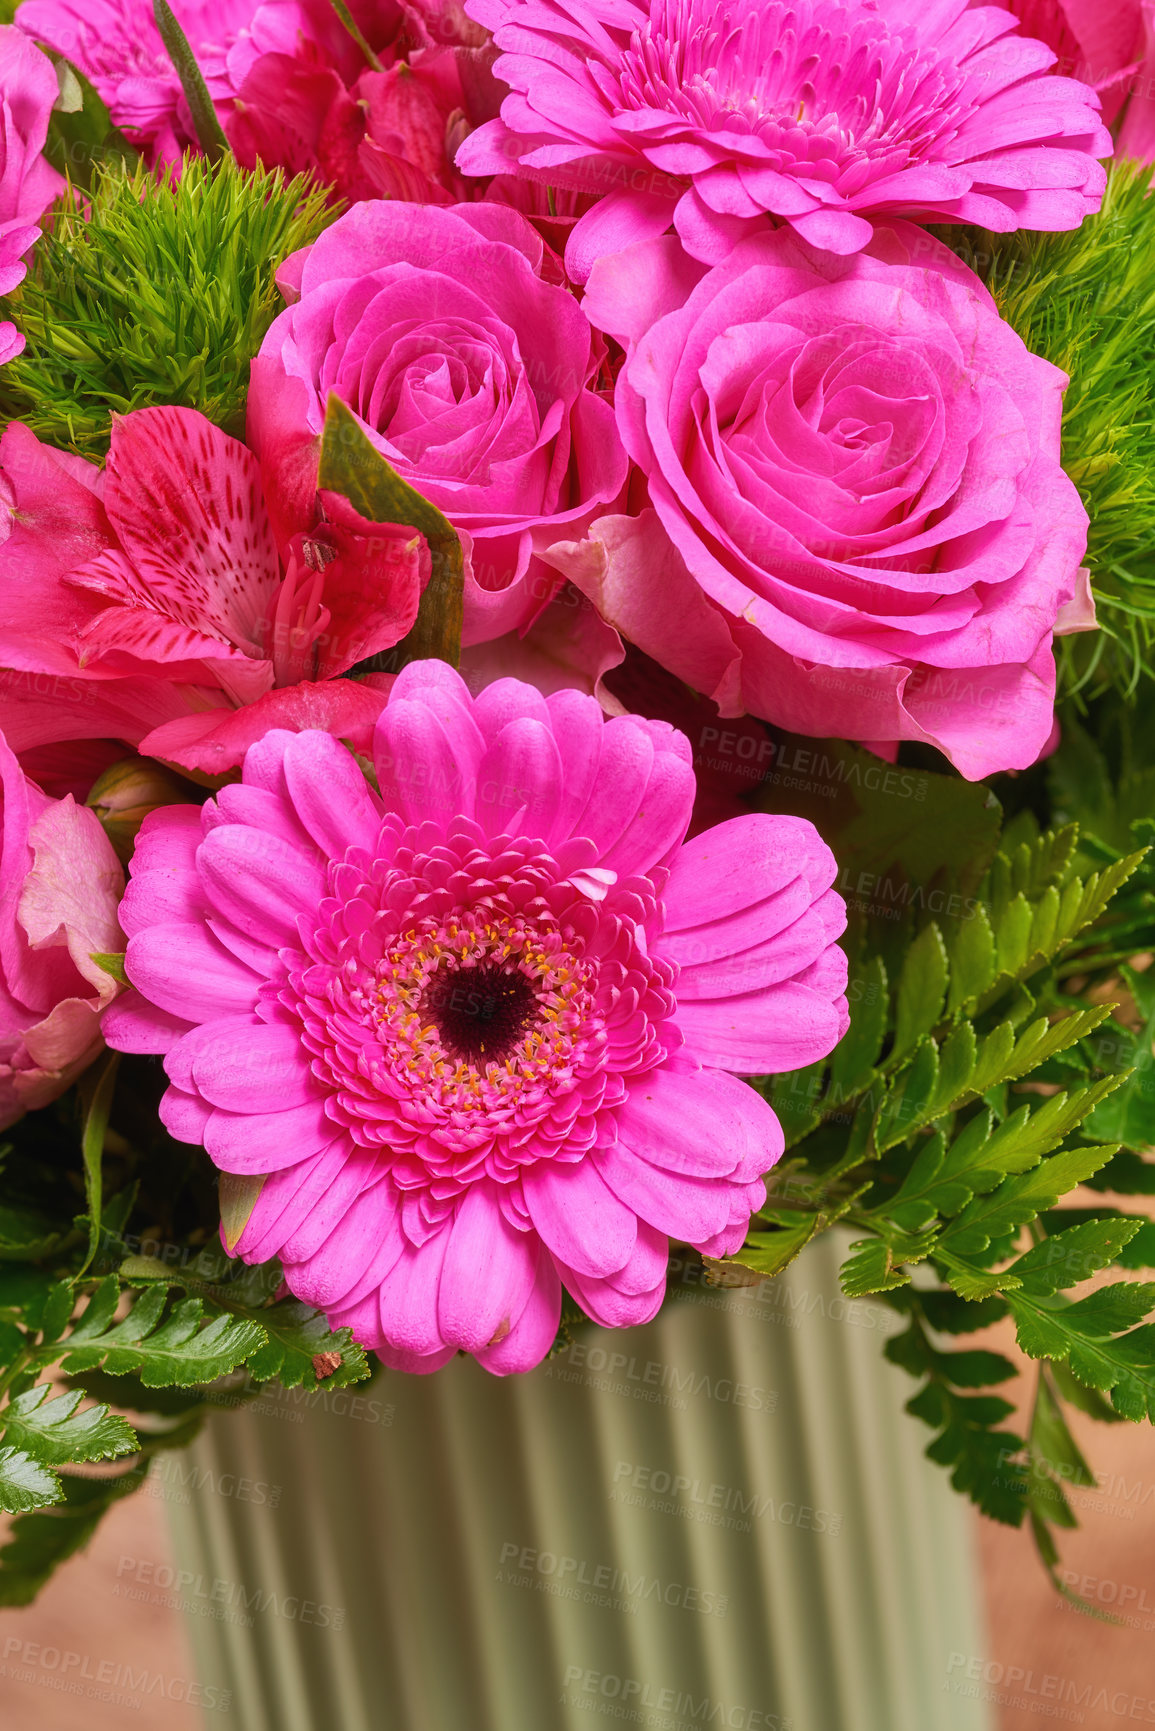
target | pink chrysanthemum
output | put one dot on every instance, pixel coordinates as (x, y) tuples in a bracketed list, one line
[(822, 114), (477, 1031)]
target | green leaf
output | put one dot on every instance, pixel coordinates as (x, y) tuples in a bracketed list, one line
[(797, 1100), (297, 1335), (875, 1265), (24, 1291), (972, 960), (112, 961), (1071, 1256), (352, 466), (180, 1347), (237, 1194), (855, 1056), (26, 1234), (204, 116), (39, 1542), (1129, 1116), (1019, 1199), (921, 989), (53, 1431), (908, 1098), (25, 1483), (1123, 1365)]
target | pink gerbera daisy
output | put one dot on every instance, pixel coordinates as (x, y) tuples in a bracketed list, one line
[(477, 1030), (711, 114)]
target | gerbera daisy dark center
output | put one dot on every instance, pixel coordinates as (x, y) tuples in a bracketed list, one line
[(480, 1013)]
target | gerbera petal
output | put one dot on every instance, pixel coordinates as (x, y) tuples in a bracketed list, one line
[(700, 1124), (263, 1072), (409, 1297), (533, 1332), (330, 794), (259, 882), (580, 1219), (765, 1033), (185, 971), (267, 1141), (520, 779), (683, 1207), (488, 1273)]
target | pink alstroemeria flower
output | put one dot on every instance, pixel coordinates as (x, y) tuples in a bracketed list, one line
[(148, 602), (824, 113), (480, 1032)]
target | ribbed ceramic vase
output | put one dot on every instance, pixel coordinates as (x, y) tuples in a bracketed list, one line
[(724, 1519)]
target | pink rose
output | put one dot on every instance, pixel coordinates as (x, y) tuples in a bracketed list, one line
[(28, 182), (858, 523), (60, 885), (469, 373)]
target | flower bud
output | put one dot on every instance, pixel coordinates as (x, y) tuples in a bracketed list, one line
[(125, 794)]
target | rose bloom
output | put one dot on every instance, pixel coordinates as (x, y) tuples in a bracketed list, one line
[(28, 181), (827, 115), (857, 521), (468, 372), (60, 883), (477, 1031)]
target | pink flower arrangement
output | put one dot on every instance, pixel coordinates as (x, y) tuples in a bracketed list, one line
[(468, 370), (154, 593), (60, 884), (857, 519), (459, 976), (28, 181), (825, 115), (478, 1033)]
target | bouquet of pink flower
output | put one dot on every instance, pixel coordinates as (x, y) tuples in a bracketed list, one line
[(538, 536)]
